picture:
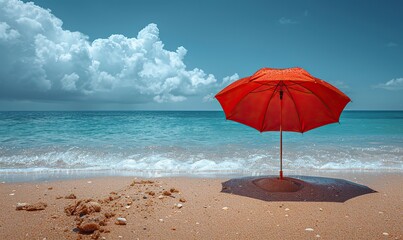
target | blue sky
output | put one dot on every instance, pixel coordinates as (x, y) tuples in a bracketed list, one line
[(175, 55)]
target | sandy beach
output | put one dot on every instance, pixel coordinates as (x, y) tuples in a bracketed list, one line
[(194, 208)]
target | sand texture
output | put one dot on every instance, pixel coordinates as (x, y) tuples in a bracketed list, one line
[(333, 206)]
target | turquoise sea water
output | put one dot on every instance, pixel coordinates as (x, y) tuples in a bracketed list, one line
[(170, 143)]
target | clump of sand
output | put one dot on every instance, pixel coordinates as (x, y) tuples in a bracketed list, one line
[(92, 216)]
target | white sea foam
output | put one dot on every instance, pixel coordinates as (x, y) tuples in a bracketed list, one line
[(185, 161)]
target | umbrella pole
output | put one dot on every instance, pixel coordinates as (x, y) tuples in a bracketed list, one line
[(281, 154), (281, 135)]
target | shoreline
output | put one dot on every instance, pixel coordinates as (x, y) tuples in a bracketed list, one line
[(71, 174), (207, 212)]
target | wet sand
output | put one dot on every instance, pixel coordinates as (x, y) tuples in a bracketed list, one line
[(204, 208)]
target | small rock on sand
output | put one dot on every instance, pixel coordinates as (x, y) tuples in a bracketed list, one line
[(182, 200), (160, 197), (174, 190), (94, 205), (31, 207), (36, 206), (121, 221), (309, 229), (385, 234), (21, 206), (82, 207), (88, 225), (166, 193), (225, 208), (179, 205), (109, 214), (70, 196)]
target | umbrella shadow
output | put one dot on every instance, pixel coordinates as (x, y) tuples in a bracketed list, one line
[(295, 188)]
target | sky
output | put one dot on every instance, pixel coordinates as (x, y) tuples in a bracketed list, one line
[(176, 55)]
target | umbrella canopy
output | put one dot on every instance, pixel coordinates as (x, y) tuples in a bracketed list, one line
[(282, 100)]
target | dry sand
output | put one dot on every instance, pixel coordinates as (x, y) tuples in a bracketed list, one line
[(198, 208)]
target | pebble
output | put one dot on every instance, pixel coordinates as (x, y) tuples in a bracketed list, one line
[(385, 234), (89, 182), (317, 235), (21, 206), (161, 220), (309, 229), (320, 209), (179, 205), (287, 209), (121, 221), (95, 205), (160, 197), (31, 207), (11, 194), (182, 200), (70, 196), (127, 207), (166, 193), (36, 206), (225, 208), (88, 226)]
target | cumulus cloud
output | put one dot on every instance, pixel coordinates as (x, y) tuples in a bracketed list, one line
[(219, 85), (394, 84), (230, 79), (41, 60)]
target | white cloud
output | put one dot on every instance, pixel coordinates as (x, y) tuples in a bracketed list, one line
[(394, 84), (284, 20), (69, 82), (6, 33), (41, 60), (220, 85), (209, 97), (230, 79)]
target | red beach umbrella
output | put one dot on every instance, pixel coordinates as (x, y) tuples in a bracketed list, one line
[(287, 99)]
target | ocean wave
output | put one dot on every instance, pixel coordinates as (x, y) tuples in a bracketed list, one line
[(182, 160)]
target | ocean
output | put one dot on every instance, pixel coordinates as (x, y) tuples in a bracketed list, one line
[(196, 143)]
